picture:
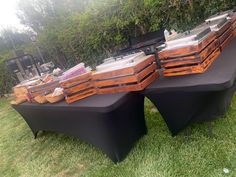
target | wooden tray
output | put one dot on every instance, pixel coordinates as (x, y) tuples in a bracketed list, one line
[(129, 87), (190, 59), (193, 69), (189, 50), (78, 88), (76, 80), (124, 71), (133, 78)]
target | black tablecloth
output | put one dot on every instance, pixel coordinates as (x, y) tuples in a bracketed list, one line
[(219, 76), (112, 122), (186, 99)]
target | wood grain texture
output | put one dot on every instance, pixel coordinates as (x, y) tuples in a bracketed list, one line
[(192, 59), (78, 88), (126, 79), (193, 69), (226, 42), (189, 50), (76, 80), (77, 97), (128, 88), (124, 71), (225, 35)]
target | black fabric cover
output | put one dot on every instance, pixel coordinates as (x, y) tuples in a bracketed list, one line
[(180, 109), (183, 100), (112, 122), (219, 76)]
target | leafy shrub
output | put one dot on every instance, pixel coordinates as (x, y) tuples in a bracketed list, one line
[(106, 26)]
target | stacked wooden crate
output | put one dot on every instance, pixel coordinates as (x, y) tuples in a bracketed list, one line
[(133, 73), (193, 53), (78, 87), (30, 89)]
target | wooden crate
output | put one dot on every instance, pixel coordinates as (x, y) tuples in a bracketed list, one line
[(193, 69), (190, 59), (189, 50), (43, 88), (133, 78), (124, 71), (78, 88)]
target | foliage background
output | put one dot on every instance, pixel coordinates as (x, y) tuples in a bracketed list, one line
[(73, 31)]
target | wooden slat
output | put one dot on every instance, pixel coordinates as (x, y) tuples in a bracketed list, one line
[(181, 61), (128, 88), (144, 64), (77, 97), (193, 59), (183, 51), (146, 71), (125, 71), (149, 80), (224, 36), (113, 74), (78, 88), (127, 79), (116, 81), (199, 68), (226, 42), (124, 88), (76, 80)]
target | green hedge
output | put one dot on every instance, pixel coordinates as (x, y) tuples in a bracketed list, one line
[(106, 25), (6, 81)]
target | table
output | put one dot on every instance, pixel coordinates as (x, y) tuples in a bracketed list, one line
[(183, 100), (112, 122)]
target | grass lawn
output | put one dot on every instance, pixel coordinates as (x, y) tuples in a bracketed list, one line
[(156, 154)]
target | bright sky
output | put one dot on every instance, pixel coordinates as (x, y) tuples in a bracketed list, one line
[(8, 18)]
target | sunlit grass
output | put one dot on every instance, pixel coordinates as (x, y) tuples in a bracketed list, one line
[(156, 154)]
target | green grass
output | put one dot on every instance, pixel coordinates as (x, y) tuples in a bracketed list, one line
[(156, 154)]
